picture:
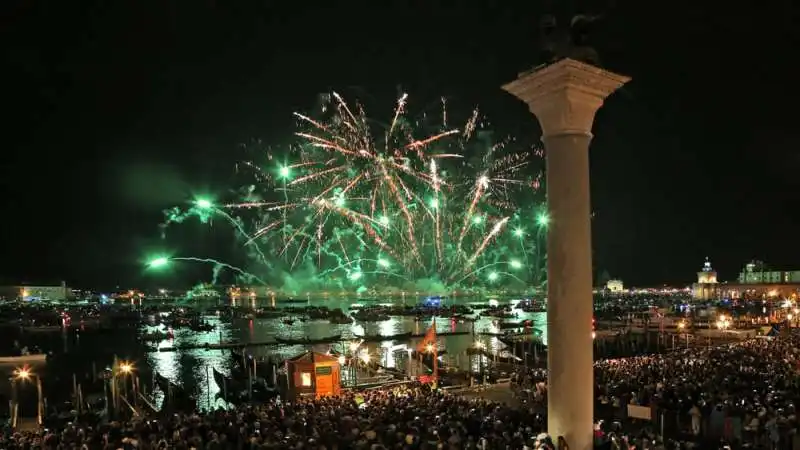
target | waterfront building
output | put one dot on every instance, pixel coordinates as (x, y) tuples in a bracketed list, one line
[(707, 286), (29, 292), (615, 286), (756, 281), (755, 273)]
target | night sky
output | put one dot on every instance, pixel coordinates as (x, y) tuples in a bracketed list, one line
[(115, 111)]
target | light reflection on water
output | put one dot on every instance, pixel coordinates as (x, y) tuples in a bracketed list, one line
[(192, 367)]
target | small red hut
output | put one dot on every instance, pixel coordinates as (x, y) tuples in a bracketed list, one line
[(313, 374)]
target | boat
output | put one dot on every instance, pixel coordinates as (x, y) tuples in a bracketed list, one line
[(307, 341), (201, 327), (384, 338), (514, 325), (340, 320), (168, 387), (364, 315), (157, 336), (226, 386)]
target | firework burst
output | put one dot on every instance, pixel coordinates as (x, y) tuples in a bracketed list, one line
[(358, 202)]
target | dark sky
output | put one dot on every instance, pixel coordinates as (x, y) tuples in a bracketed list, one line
[(117, 110)]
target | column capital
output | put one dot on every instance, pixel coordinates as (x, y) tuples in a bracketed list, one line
[(565, 95)]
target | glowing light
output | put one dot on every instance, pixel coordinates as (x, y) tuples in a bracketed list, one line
[(519, 232), (493, 276), (156, 263), (355, 276), (285, 171), (204, 203), (23, 373), (543, 219), (429, 348), (125, 367), (384, 220), (477, 220), (515, 264), (384, 263), (342, 359)]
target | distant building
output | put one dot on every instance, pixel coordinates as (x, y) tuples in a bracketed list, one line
[(754, 273), (754, 282), (203, 291), (29, 293), (757, 282), (615, 286), (707, 286)]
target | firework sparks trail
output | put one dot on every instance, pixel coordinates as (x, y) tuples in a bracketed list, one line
[(415, 205), (496, 229), (245, 274), (469, 217)]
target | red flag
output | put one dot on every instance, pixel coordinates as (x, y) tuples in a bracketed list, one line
[(429, 339)]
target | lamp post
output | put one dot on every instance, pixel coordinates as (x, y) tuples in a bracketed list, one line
[(121, 369), (682, 329), (479, 346), (354, 346), (25, 374)]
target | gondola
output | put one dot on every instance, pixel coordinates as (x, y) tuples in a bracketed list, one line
[(166, 386), (174, 394), (513, 325), (226, 385), (307, 341)]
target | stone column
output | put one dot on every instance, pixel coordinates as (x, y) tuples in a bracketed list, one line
[(565, 96)]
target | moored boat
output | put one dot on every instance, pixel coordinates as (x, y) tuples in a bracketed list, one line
[(307, 341)]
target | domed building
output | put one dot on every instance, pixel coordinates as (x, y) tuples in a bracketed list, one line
[(707, 286)]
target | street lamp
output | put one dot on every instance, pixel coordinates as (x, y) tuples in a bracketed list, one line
[(723, 323), (24, 374), (682, 329), (125, 368)]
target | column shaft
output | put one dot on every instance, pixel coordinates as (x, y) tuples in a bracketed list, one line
[(570, 401)]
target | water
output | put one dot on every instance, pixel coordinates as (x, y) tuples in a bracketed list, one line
[(75, 352)]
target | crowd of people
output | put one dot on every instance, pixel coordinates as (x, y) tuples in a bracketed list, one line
[(409, 417), (742, 393)]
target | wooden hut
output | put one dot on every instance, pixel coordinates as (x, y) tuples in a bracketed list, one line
[(313, 374)]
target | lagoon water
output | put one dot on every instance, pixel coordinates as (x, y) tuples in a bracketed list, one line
[(79, 352)]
